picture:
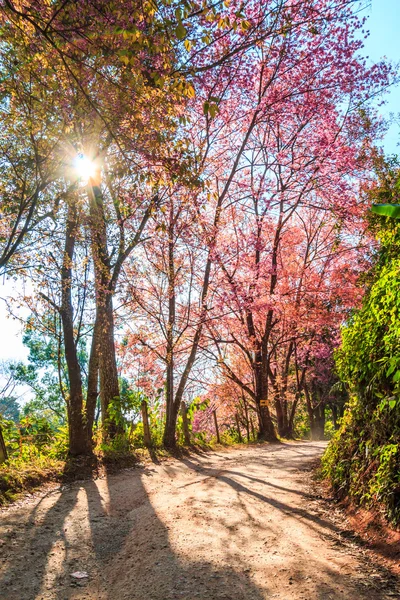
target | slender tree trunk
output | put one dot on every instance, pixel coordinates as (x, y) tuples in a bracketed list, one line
[(107, 363), (109, 385), (284, 428), (169, 438), (3, 449), (266, 429), (309, 409), (300, 383), (246, 412), (78, 442), (171, 421), (146, 424), (292, 416), (285, 425), (172, 405), (253, 433), (216, 426), (279, 412), (185, 424), (261, 363), (93, 382)]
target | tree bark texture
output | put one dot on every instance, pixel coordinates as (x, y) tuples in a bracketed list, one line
[(3, 449), (78, 438), (107, 363)]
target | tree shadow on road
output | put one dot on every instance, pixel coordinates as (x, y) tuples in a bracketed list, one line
[(27, 548), (327, 580), (109, 529), (135, 556), (114, 530)]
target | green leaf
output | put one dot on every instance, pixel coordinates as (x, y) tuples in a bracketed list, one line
[(390, 370), (180, 31), (392, 404), (213, 109), (387, 210)]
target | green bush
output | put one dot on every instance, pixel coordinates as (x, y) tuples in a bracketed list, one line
[(363, 458), (19, 474)]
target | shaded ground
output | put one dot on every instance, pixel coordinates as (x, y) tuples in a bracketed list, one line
[(377, 535), (233, 525)]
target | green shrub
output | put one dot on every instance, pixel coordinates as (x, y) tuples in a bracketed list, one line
[(19, 474)]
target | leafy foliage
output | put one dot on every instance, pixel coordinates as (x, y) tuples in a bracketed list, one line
[(363, 459), (9, 408)]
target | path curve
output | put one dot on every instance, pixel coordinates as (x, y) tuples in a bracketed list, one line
[(236, 524)]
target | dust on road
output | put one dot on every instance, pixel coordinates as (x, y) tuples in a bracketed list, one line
[(238, 524)]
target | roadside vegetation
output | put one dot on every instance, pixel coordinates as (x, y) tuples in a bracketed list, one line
[(363, 460)]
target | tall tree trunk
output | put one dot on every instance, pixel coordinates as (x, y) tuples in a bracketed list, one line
[(266, 429), (279, 412), (309, 408), (3, 449), (285, 417), (93, 381), (287, 433), (262, 359), (169, 438), (172, 405), (78, 441), (246, 413), (107, 363), (109, 384), (291, 417)]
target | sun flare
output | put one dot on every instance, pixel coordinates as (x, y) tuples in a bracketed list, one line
[(84, 167)]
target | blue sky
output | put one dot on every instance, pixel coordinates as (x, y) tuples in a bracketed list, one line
[(384, 41)]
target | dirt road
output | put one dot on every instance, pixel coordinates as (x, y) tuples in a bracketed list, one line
[(238, 524)]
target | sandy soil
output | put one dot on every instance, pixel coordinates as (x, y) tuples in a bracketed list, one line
[(238, 524)]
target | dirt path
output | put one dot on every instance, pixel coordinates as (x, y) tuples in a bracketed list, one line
[(232, 525)]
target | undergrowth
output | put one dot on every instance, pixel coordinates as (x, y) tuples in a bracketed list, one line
[(18, 475), (363, 459), (28, 469), (364, 467)]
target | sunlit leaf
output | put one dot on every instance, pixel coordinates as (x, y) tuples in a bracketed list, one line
[(387, 210)]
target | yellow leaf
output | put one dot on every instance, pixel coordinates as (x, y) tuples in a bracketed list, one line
[(190, 91)]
